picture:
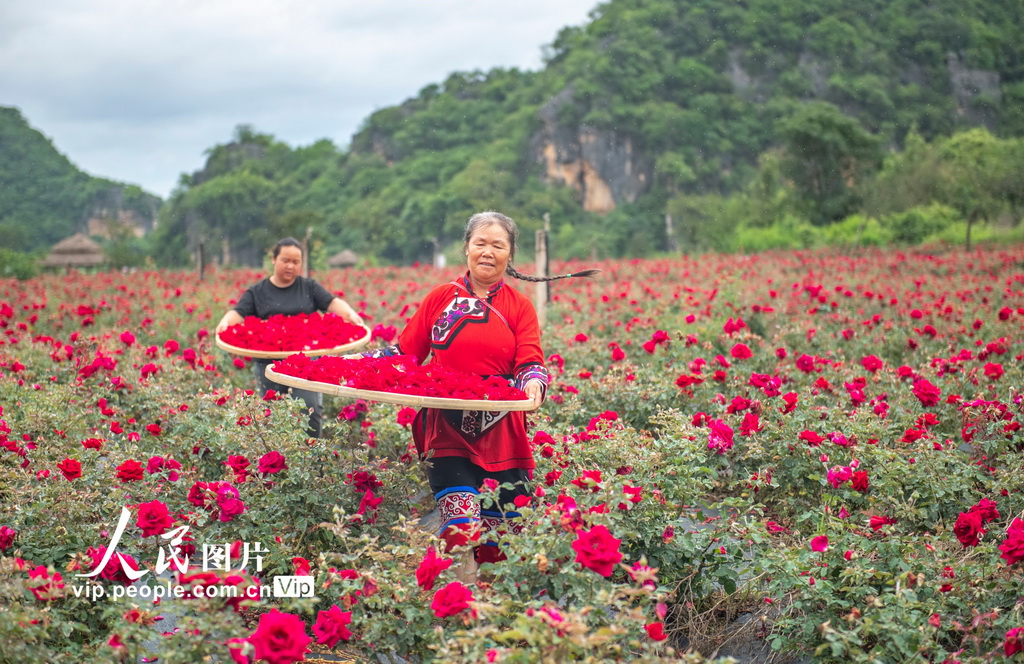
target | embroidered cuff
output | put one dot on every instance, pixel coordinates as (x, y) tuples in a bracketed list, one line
[(535, 372)]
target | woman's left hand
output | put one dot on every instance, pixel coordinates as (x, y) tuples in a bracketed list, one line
[(535, 391)]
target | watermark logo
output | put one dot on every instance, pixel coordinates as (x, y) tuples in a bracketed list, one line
[(215, 558), (293, 586)]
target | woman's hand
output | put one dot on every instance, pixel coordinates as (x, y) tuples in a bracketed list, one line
[(535, 390), (342, 308), (231, 317)]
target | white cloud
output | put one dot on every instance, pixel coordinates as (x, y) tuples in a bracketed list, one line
[(136, 90)]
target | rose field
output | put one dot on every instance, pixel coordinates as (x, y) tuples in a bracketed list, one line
[(826, 445)]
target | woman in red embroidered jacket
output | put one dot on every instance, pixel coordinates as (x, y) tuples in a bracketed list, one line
[(478, 324)]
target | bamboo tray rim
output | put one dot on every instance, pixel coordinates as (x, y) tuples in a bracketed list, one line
[(397, 397), (281, 354)]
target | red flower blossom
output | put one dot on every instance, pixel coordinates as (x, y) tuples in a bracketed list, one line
[(927, 393), (71, 469), (878, 521), (1014, 641), (44, 586), (229, 503), (720, 437), (656, 631), (1013, 546), (741, 352), (369, 503), (405, 416), (987, 509), (271, 463), (7, 535), (859, 481), (130, 471), (238, 465), (301, 566), (430, 568), (331, 626), (280, 638), (968, 528), (153, 519), (451, 600), (871, 363), (597, 550)]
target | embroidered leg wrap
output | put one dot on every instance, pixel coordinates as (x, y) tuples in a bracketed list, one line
[(493, 526), (460, 516)]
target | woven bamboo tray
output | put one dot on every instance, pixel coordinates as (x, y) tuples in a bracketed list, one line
[(280, 355), (398, 398)]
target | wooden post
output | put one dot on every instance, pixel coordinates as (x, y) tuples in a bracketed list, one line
[(540, 299), (547, 250), (306, 258), (202, 261), (670, 234)]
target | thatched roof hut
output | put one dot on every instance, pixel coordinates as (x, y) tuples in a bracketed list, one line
[(75, 251), (346, 258)]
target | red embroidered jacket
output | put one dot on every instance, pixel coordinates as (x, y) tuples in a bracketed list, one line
[(462, 332)]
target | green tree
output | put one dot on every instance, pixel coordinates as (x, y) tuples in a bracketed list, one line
[(827, 154)]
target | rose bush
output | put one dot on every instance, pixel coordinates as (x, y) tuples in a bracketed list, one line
[(792, 435)]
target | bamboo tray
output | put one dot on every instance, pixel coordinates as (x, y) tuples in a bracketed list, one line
[(281, 354), (398, 398)]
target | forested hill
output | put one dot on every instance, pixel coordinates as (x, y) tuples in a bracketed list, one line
[(653, 106), (45, 198)]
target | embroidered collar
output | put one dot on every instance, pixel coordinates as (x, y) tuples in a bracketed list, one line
[(490, 291)]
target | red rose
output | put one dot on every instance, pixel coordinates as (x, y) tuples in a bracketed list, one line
[(272, 462), (741, 352), (968, 528), (238, 465), (406, 416), (280, 638), (859, 481), (871, 363), (71, 469), (332, 626), (597, 550), (228, 502), (7, 535), (430, 567), (153, 519), (877, 521), (1013, 546), (656, 631), (927, 393), (451, 600), (987, 509), (301, 566), (1014, 642), (130, 471), (115, 567), (43, 586)]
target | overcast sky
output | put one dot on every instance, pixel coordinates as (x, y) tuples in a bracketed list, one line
[(137, 90)]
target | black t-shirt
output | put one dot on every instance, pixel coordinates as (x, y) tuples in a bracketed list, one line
[(264, 299)]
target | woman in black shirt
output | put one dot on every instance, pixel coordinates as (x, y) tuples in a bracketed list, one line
[(285, 292)]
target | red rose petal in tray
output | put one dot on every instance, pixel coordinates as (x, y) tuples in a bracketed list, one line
[(399, 379), (280, 336)]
